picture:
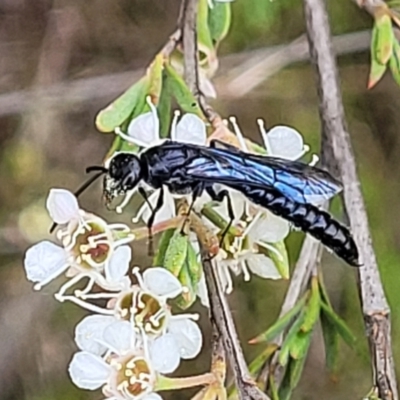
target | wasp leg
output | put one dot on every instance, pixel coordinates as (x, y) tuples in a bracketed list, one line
[(196, 193), (219, 144), (220, 196), (154, 211)]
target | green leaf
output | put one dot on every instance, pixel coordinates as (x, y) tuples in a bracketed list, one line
[(205, 44), (189, 277), (219, 21), (164, 107), (300, 344), (290, 337), (273, 388), (331, 341), (261, 358), (281, 324), (187, 298), (376, 72), (121, 108), (382, 38), (340, 325), (280, 258), (312, 309), (155, 72), (163, 244), (176, 252), (181, 92), (296, 367), (394, 62)]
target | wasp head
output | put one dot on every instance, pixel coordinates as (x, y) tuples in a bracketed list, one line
[(124, 173)]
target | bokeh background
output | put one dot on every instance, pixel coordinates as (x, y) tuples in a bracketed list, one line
[(63, 60)]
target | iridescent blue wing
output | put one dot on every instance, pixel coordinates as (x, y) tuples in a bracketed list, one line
[(295, 180)]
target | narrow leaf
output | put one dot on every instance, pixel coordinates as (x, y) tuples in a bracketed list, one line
[(120, 109), (331, 341), (290, 337), (281, 324), (188, 297), (376, 72), (262, 358), (340, 325), (280, 259), (205, 43), (155, 77), (175, 255), (313, 307), (164, 107), (181, 92), (162, 247), (219, 21), (394, 62), (300, 344), (382, 38), (296, 367)]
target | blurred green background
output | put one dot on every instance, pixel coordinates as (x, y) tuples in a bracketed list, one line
[(61, 61)]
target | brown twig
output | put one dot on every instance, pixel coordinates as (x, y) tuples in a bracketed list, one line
[(334, 129), (221, 317)]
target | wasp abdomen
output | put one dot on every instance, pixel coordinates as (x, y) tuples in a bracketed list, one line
[(308, 218)]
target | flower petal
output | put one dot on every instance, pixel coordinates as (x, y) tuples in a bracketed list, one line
[(62, 206), (263, 266), (45, 261), (202, 292), (191, 129), (188, 336), (89, 332), (88, 371), (164, 354), (269, 228), (143, 130), (161, 282), (284, 142), (152, 396), (118, 265), (119, 336)]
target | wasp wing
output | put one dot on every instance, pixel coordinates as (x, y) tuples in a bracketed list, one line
[(298, 181)]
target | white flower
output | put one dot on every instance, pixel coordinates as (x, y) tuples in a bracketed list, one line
[(169, 337), (128, 376), (243, 256), (125, 371), (90, 248), (144, 130)]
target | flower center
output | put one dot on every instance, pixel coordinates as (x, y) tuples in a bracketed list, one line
[(134, 377), (92, 245), (144, 310)]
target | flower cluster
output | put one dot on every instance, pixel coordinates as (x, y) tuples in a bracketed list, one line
[(125, 345)]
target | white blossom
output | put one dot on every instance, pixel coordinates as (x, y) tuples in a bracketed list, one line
[(89, 248), (169, 337)]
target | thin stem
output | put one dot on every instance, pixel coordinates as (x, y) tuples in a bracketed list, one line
[(334, 130)]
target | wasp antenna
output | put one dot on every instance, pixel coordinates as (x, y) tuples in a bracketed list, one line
[(54, 226), (86, 184), (96, 168)]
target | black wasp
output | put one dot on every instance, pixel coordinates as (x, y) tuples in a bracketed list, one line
[(286, 188)]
